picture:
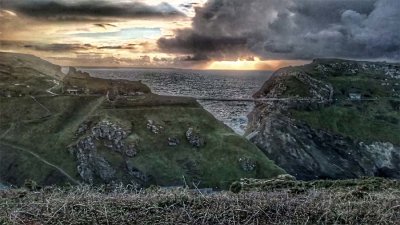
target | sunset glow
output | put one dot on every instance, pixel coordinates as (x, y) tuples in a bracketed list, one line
[(255, 64)]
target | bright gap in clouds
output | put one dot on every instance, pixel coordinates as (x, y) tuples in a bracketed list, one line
[(255, 64)]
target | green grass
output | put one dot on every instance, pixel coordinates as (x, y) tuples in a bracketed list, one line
[(367, 86), (295, 88), (16, 166), (367, 83), (366, 121), (49, 136), (214, 165), (25, 123)]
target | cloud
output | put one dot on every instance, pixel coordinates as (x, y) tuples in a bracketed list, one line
[(104, 25), (62, 47), (55, 47), (89, 10), (58, 47), (187, 41), (126, 47), (287, 29)]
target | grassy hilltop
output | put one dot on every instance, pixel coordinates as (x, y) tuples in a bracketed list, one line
[(375, 119), (49, 136)]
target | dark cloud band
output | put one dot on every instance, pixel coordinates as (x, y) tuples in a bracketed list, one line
[(91, 10), (188, 41), (61, 47)]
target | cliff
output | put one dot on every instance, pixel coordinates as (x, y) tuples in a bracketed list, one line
[(72, 128), (336, 119)]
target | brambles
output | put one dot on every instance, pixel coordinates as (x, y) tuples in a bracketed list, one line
[(124, 205)]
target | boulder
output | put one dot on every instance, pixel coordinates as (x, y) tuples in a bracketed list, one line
[(194, 138), (247, 164), (131, 151), (153, 127), (173, 141)]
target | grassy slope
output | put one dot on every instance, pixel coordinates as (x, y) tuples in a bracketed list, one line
[(215, 165), (45, 125), (217, 161), (368, 120), (28, 125), (22, 75)]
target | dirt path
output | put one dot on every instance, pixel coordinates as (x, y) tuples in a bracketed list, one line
[(88, 113), (41, 159), (56, 84), (7, 131), (41, 105)]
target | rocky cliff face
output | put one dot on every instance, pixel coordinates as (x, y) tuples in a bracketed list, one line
[(305, 151), (91, 165)]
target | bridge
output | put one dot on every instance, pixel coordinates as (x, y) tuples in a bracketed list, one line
[(253, 99), (288, 99)]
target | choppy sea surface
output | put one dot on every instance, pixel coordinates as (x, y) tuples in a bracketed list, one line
[(200, 84)]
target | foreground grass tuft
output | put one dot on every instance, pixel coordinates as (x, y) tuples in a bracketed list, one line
[(122, 205)]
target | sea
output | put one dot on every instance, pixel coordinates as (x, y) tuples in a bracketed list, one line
[(214, 84)]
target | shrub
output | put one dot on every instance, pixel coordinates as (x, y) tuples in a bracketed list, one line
[(235, 187)]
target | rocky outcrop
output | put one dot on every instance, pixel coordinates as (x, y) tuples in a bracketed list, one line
[(247, 164), (173, 141), (90, 164), (194, 138), (153, 127), (309, 153)]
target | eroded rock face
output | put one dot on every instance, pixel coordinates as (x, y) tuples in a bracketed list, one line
[(308, 153), (194, 138), (91, 165)]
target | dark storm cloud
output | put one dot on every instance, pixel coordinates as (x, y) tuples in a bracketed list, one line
[(90, 10), (301, 29), (201, 45)]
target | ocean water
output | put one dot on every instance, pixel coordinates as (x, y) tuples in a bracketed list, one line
[(200, 84)]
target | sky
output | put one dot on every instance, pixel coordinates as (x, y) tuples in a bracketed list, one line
[(200, 34)]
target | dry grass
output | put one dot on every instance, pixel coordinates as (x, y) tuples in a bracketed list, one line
[(85, 205)]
